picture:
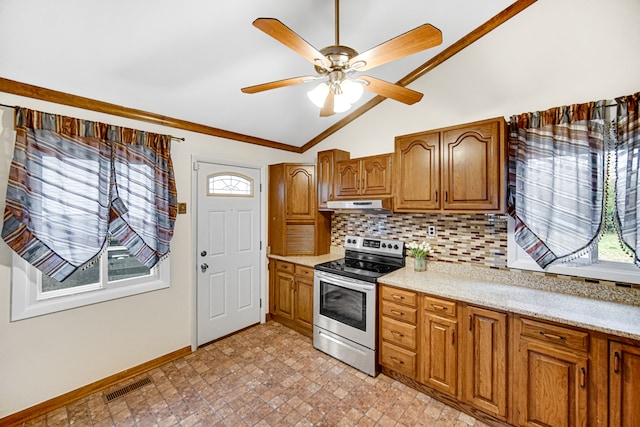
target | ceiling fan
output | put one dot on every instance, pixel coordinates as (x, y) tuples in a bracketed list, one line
[(337, 65)]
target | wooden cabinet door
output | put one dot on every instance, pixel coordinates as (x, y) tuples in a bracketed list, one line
[(325, 178), (303, 303), (376, 175), (472, 171), (283, 289), (484, 360), (347, 178), (624, 385), (439, 366), (551, 386), (417, 172), (300, 197), (325, 170)]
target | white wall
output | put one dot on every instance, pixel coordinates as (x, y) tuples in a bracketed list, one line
[(554, 53), (44, 357)]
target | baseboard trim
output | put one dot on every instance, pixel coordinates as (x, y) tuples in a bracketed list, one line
[(70, 397)]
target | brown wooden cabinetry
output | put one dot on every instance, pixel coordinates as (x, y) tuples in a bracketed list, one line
[(398, 330), (439, 347), (291, 295), (460, 168), (550, 374), (363, 177), (295, 225), (484, 360), (624, 384), (326, 173)]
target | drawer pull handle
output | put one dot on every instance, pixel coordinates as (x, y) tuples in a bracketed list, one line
[(616, 365), (436, 196), (453, 337), (396, 333), (397, 313), (583, 377), (394, 360), (396, 296), (439, 307), (470, 322), (552, 336)]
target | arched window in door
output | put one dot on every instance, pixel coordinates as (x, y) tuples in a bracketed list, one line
[(229, 184)]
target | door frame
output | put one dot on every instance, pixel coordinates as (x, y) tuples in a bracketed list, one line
[(263, 276)]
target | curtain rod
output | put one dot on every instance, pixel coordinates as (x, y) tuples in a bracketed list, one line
[(170, 136)]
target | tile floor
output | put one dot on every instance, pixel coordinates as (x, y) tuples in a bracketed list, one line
[(267, 375)]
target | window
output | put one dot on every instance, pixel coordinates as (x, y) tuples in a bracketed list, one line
[(116, 275), (77, 188), (228, 184), (610, 261)]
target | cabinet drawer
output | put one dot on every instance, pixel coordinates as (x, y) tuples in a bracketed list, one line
[(398, 359), (304, 271), (400, 333), (440, 306), (284, 266), (554, 334), (400, 296), (399, 312)]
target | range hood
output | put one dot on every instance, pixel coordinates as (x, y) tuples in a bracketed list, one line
[(374, 206)]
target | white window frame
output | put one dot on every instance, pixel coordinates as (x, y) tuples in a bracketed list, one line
[(601, 270), (27, 302)]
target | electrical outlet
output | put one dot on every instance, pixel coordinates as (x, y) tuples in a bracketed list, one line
[(431, 231)]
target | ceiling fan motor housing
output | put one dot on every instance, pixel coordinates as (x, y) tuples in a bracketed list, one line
[(339, 57)]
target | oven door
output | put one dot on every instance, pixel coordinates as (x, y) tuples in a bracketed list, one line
[(346, 307)]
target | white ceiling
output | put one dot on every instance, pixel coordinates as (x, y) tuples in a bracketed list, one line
[(188, 59)]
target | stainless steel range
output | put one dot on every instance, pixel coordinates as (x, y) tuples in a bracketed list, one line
[(345, 295)]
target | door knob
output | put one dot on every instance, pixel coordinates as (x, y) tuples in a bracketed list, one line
[(203, 253), (204, 267)]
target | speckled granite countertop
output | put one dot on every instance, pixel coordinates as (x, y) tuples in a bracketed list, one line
[(607, 309), (309, 261), (581, 311)]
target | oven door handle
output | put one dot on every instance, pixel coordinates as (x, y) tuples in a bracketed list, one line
[(344, 282)]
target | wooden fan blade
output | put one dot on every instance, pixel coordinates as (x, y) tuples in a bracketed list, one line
[(286, 36), (277, 84), (327, 108), (416, 40), (390, 90)]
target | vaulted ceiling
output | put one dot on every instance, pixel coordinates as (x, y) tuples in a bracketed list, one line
[(184, 63)]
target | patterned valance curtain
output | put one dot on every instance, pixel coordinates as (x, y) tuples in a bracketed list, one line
[(628, 163), (72, 182), (556, 178)]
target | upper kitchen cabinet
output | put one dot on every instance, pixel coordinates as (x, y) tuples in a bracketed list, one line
[(459, 168), (326, 173), (300, 200), (363, 177), (295, 225)]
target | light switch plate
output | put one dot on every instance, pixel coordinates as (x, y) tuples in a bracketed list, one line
[(182, 208)]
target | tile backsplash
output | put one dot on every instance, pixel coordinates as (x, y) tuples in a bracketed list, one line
[(470, 238)]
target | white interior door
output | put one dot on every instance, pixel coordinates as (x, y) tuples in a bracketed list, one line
[(228, 251)]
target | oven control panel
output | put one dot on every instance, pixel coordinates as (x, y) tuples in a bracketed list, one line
[(375, 245)]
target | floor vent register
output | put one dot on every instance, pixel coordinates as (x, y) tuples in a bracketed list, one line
[(123, 391)]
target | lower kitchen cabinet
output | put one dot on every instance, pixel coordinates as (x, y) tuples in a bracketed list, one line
[(291, 295), (484, 360), (303, 296), (439, 346), (624, 384), (550, 374), (398, 330), (283, 284)]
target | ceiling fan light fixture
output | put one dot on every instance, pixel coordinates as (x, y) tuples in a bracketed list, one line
[(340, 104), (351, 90), (318, 94)]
